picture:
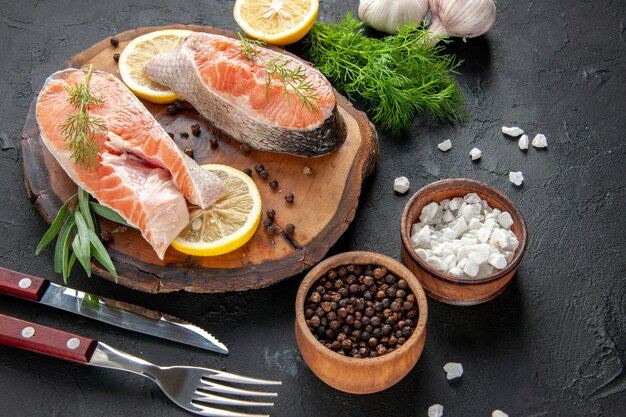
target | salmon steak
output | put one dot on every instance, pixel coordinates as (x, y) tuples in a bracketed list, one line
[(261, 97), (140, 172)]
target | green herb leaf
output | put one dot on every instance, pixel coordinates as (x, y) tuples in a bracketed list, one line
[(100, 253), (71, 263), (83, 204), (55, 226), (108, 213), (80, 246), (62, 245)]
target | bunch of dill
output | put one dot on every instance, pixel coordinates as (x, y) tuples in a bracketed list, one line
[(396, 77)]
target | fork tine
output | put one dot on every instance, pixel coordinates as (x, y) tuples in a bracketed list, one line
[(216, 399), (228, 377), (207, 411), (225, 389)]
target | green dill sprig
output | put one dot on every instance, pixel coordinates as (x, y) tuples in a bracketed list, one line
[(78, 231), (396, 76), (293, 78), (80, 128)]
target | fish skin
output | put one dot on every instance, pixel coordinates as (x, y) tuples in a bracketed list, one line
[(138, 163), (209, 72)]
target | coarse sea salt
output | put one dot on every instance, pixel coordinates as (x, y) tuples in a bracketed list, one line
[(401, 185), (516, 177), (475, 154), (435, 410), (523, 142), (499, 413), (453, 370), (464, 237), (540, 141), (512, 131), (445, 146)]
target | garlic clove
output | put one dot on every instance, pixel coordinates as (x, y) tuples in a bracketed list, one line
[(387, 15), (461, 18)]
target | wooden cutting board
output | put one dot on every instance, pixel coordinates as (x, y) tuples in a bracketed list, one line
[(325, 200)]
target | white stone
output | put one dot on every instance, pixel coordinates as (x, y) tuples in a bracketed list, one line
[(455, 203), (431, 214), (475, 154), (437, 263), (497, 413), (505, 220), (523, 142), (497, 260), (512, 131), (445, 146), (540, 141), (455, 271), (471, 268), (453, 370), (516, 177), (401, 185), (435, 410), (447, 216)]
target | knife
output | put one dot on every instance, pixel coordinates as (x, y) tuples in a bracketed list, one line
[(113, 312)]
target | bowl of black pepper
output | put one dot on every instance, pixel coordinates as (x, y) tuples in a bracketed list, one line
[(360, 321)]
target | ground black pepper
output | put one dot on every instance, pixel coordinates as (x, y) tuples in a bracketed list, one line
[(341, 317)]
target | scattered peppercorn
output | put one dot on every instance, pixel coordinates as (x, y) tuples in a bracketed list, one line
[(115, 42), (272, 230), (116, 57), (341, 317), (289, 197), (184, 135), (258, 168), (263, 174), (290, 228), (171, 135), (189, 152), (271, 213), (248, 171), (195, 129), (245, 148), (105, 236), (213, 143), (175, 107), (267, 222)]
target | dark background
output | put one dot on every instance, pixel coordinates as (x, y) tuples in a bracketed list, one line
[(553, 344)]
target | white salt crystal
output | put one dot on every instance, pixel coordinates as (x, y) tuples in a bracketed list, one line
[(459, 227), (497, 413), (499, 239), (401, 185), (437, 263), (508, 255), (467, 212), (445, 204), (449, 233), (540, 141), (516, 177), (472, 198), (474, 224), (523, 142), (435, 410), (423, 253), (450, 261), (497, 260), (475, 154), (423, 237), (438, 250), (453, 370), (479, 253), (513, 242), (415, 228), (484, 233), (485, 269), (455, 271), (455, 203), (505, 220), (445, 146), (447, 216), (461, 253), (431, 214), (470, 268), (512, 131)]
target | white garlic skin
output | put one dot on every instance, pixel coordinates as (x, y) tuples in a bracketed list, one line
[(461, 18), (387, 15)]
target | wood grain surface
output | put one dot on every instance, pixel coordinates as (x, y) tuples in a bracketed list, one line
[(325, 201)]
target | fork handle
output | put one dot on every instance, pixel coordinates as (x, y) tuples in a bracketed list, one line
[(25, 335)]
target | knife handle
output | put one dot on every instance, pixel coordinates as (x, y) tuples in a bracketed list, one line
[(22, 285), (45, 340)]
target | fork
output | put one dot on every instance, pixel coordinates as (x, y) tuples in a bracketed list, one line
[(190, 387)]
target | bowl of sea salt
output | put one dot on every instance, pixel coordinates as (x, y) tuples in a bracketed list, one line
[(463, 240)]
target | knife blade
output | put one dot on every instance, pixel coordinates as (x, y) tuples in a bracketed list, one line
[(117, 313)]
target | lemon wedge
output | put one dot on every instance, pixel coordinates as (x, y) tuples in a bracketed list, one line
[(139, 51), (279, 22), (228, 223)]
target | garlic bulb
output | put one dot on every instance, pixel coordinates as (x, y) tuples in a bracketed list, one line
[(388, 15), (461, 18)]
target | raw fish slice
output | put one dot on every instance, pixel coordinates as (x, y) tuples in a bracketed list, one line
[(210, 72), (147, 196)]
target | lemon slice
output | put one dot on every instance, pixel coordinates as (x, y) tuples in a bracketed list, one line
[(229, 222), (279, 22), (139, 51)]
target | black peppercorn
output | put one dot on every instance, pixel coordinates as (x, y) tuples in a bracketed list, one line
[(267, 223), (289, 197), (195, 129), (213, 143), (290, 228), (189, 152), (116, 57), (245, 148), (248, 171), (184, 135), (115, 42), (263, 174), (258, 168), (273, 184)]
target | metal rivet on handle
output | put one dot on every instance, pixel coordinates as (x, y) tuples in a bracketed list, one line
[(25, 283), (73, 343), (28, 332)]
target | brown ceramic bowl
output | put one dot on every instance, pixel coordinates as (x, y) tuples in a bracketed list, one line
[(360, 375), (444, 287)]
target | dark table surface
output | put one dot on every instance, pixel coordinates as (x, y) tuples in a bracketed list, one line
[(553, 344)]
